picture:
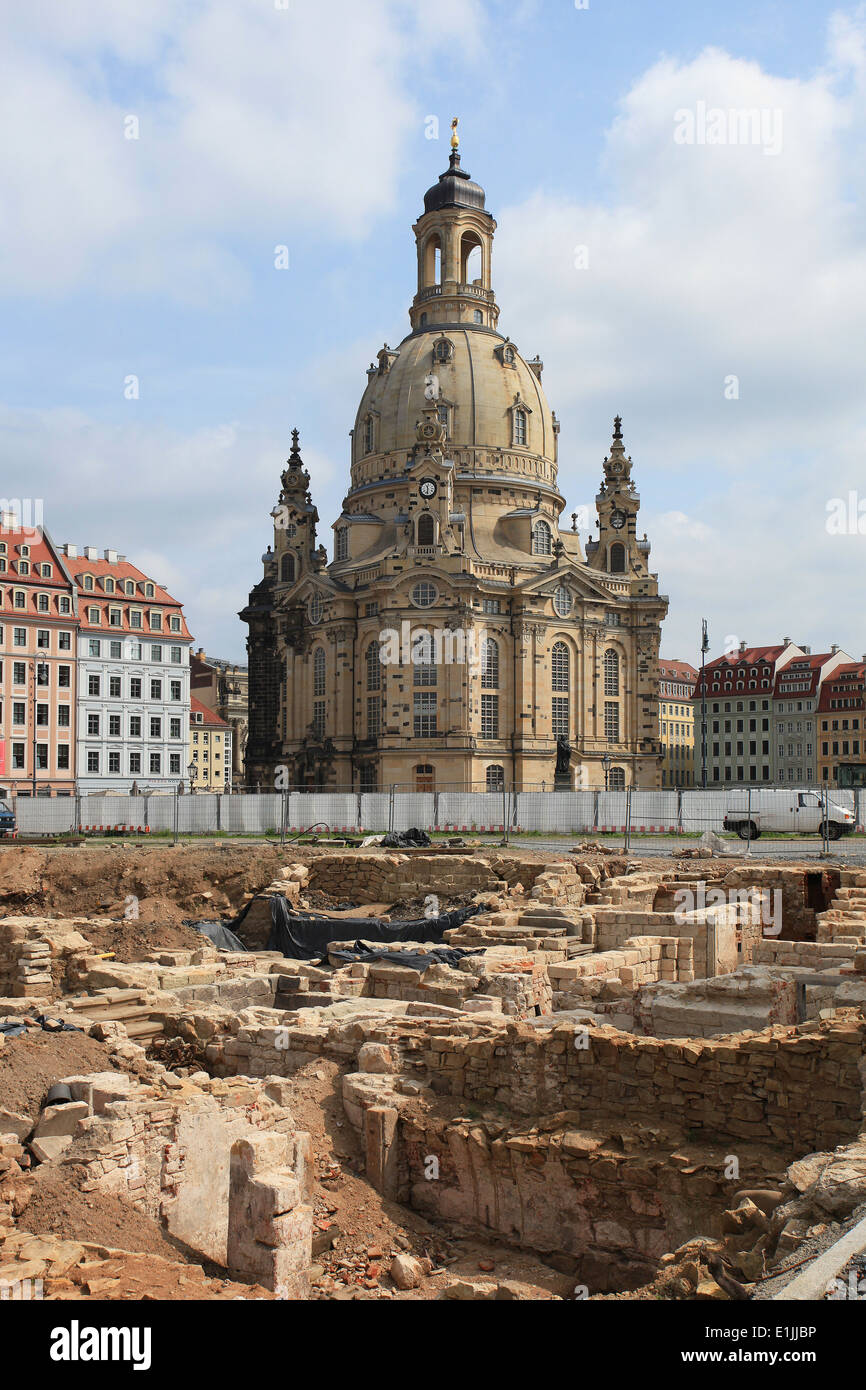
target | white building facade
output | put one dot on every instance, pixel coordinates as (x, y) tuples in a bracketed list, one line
[(133, 697)]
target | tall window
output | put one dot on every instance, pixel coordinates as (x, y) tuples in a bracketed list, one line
[(374, 667), (611, 721), (342, 544), (520, 428), (374, 716), (287, 568), (426, 529), (617, 559), (560, 680), (489, 716), (611, 672), (423, 660), (616, 779), (542, 540), (319, 671), (490, 665), (425, 778), (424, 714), (369, 435)]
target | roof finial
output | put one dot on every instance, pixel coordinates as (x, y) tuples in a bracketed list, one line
[(617, 427), (455, 138)]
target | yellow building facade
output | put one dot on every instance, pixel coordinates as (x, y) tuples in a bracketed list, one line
[(677, 723), (458, 637)]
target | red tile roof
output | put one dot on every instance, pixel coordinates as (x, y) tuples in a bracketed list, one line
[(209, 717), (845, 683), (121, 571)]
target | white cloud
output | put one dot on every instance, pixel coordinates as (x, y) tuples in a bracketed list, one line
[(257, 121), (710, 262)]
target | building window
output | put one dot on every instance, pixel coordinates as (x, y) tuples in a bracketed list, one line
[(92, 761), (63, 757), (93, 725), (491, 605), (616, 779), (156, 690), (114, 727), (155, 726), (611, 672), (63, 717), (560, 716), (367, 778), (424, 713), (490, 665), (114, 761), (424, 595), (156, 762), (64, 641), (374, 716), (174, 763), (369, 435), (426, 529), (135, 762), (495, 778), (174, 730), (319, 718), (135, 687), (287, 568), (341, 551), (489, 716), (374, 667), (425, 778), (561, 601), (319, 671), (617, 559), (560, 663), (93, 685), (114, 687), (611, 721), (542, 539), (315, 608), (174, 690)]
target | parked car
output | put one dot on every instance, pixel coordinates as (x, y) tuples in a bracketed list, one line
[(801, 813), (7, 820)]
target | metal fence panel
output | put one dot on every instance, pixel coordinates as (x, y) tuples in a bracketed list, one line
[(44, 815), (414, 811), (334, 810), (557, 812), (375, 810), (251, 815), (470, 811)]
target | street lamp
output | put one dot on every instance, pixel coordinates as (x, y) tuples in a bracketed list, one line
[(190, 772), (606, 763)]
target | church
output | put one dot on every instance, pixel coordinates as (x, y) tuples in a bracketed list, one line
[(458, 638)]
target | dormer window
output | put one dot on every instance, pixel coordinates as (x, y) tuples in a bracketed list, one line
[(46, 571), (542, 539), (109, 585), (24, 551), (148, 590), (341, 545), (88, 581), (443, 350), (23, 566)]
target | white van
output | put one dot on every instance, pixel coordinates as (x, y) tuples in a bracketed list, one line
[(795, 813)]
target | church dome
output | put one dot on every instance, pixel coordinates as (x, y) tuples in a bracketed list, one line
[(482, 382)]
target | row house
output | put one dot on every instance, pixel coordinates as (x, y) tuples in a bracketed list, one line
[(842, 726), (736, 691), (796, 695), (38, 690), (677, 723), (133, 677)]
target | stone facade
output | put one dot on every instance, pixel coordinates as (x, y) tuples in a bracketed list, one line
[(458, 637)]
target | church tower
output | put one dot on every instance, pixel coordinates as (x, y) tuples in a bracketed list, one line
[(457, 637)]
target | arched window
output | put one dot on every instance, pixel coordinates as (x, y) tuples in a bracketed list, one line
[(617, 559), (520, 428), (369, 434), (490, 665), (319, 671), (341, 549), (611, 672), (374, 667), (425, 777), (432, 269), (426, 529), (495, 778), (287, 568), (560, 681), (542, 539), (560, 664), (616, 779), (471, 267)]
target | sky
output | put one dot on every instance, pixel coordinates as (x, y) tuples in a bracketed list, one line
[(699, 275)]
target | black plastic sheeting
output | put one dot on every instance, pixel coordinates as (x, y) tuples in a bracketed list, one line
[(413, 960), (222, 936), (306, 937), (406, 839), (15, 1027)]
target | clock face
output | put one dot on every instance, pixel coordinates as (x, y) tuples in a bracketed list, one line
[(428, 488), (617, 520)]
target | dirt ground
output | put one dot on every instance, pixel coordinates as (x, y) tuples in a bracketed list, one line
[(32, 1063), (58, 1207)]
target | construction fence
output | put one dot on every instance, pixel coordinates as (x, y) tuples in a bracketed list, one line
[(505, 810)]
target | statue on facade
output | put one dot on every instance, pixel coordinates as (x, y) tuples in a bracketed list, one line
[(563, 755)]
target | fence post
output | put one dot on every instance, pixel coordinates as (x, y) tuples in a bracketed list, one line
[(627, 845), (749, 821), (176, 813), (825, 822), (679, 811), (219, 817), (391, 808), (435, 809), (595, 796), (504, 812), (284, 816), (77, 814), (358, 818)]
